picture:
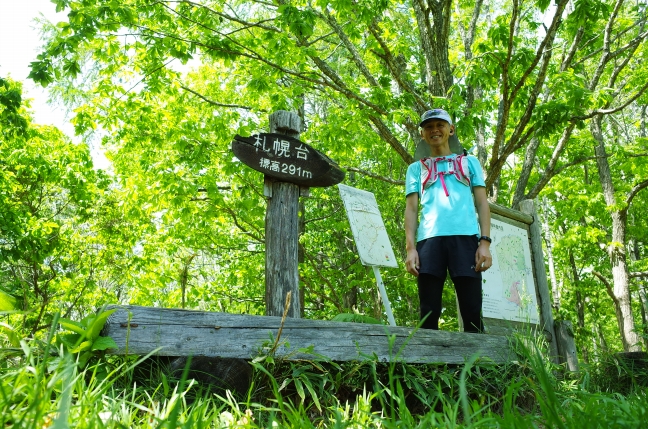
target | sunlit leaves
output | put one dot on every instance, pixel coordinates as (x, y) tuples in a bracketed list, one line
[(12, 122), (586, 12), (300, 22), (48, 191), (499, 33)]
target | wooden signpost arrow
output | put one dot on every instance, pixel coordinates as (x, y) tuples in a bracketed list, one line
[(287, 164), (287, 159)]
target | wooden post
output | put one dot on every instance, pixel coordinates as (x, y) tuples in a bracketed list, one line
[(542, 291), (566, 345), (282, 231)]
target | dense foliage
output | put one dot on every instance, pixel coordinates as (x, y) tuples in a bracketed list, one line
[(549, 95)]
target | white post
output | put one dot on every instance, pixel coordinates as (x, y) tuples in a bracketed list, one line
[(383, 295)]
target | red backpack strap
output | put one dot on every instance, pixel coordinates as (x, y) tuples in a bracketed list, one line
[(462, 169), (429, 172)]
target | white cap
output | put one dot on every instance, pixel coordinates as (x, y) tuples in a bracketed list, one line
[(435, 114)]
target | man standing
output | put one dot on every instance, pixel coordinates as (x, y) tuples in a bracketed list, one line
[(448, 237)]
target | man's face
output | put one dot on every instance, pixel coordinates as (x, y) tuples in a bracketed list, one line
[(436, 132)]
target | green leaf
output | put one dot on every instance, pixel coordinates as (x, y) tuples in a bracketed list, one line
[(103, 343), (69, 340), (41, 72), (313, 395), (7, 302), (543, 4), (73, 326), (71, 67), (98, 323), (84, 346), (300, 388), (12, 335)]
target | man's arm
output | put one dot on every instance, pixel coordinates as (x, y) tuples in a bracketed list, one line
[(411, 223), (483, 257)]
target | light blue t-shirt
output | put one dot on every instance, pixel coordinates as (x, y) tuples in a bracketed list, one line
[(441, 214)]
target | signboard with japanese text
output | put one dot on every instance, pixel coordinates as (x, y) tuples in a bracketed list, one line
[(287, 159)]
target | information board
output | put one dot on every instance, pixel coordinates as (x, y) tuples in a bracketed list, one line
[(509, 286), (367, 227)]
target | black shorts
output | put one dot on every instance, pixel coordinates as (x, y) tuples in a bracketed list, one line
[(453, 253)]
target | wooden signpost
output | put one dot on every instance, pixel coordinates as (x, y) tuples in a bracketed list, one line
[(288, 165), (287, 159)]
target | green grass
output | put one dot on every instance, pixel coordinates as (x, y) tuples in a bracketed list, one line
[(41, 386)]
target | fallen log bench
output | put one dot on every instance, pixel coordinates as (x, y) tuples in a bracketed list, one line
[(175, 332)]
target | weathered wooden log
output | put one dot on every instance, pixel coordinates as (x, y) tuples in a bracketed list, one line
[(542, 285), (511, 214), (509, 327), (282, 233), (633, 362), (282, 242), (175, 332), (284, 122)]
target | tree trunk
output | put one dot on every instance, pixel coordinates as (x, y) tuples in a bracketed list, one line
[(580, 303), (473, 92), (550, 259), (601, 337), (433, 19), (616, 248), (644, 313), (184, 278), (527, 168)]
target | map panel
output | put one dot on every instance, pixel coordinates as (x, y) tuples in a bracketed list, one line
[(367, 227), (509, 286)]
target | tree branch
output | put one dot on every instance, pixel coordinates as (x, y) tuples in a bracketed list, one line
[(375, 176), (572, 50), (395, 70), (355, 56), (537, 188), (605, 57), (608, 286), (595, 52), (232, 18), (549, 171), (336, 299), (629, 101), (340, 86), (214, 103), (235, 219), (386, 134), (503, 109), (635, 190), (543, 50)]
